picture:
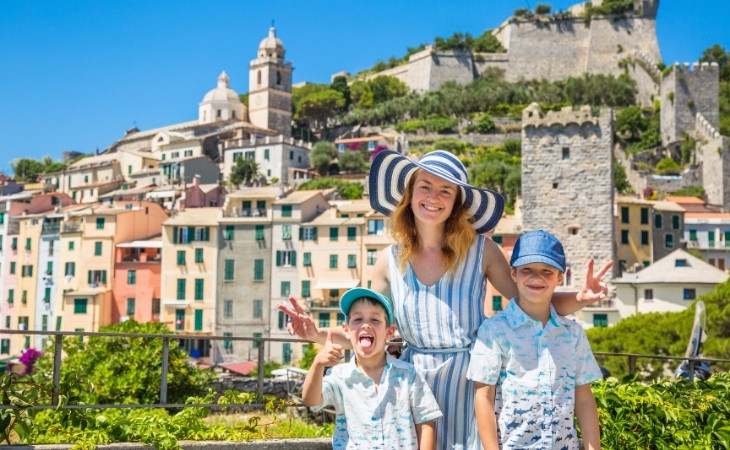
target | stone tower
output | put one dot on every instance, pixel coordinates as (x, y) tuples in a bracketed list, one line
[(567, 182), (685, 94), (270, 79)]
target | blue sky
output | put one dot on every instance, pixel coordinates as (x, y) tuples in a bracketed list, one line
[(75, 74)]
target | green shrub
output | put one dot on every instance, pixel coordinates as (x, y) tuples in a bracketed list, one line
[(441, 125)]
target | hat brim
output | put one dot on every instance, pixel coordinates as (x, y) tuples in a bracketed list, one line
[(389, 175), (349, 297)]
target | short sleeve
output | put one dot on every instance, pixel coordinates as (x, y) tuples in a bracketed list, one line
[(330, 394), (486, 355), (586, 367), (424, 406)]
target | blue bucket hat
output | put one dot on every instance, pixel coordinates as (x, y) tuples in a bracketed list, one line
[(538, 247), (349, 297), (390, 172)]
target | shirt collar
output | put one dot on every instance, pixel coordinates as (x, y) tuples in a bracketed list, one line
[(516, 317)]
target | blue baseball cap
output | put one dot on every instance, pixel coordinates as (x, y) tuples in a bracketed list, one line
[(538, 247), (349, 297)]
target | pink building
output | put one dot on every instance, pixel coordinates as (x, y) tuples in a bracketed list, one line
[(136, 285)]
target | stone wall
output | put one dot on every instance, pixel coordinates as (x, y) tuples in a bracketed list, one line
[(715, 156), (567, 182), (687, 91)]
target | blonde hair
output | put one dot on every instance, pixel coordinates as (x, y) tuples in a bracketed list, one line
[(458, 231)]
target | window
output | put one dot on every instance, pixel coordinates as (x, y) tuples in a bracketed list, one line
[(99, 223), (308, 233), (266, 154), (228, 269), (199, 288), (658, 221), (624, 214), (258, 309), (228, 233), (5, 346), (49, 268), (228, 309), (202, 234), (285, 288), (644, 238), (711, 238), (680, 263), (258, 270), (227, 343), (198, 255), (27, 243), (334, 234), (692, 235), (644, 216), (47, 295), (12, 267), (286, 353), (287, 258), (256, 344), (181, 289), (306, 288), (282, 320), (307, 259), (14, 243), (131, 277), (130, 305), (24, 297), (351, 233), (285, 210), (351, 261), (26, 271), (566, 152), (181, 257), (198, 320), (600, 320), (179, 319), (70, 269), (372, 257), (648, 294), (675, 222), (97, 248), (80, 305), (669, 240), (497, 303), (11, 296), (689, 294), (23, 322), (71, 245), (324, 320), (726, 236), (96, 277), (286, 232), (259, 232), (333, 261), (624, 236)]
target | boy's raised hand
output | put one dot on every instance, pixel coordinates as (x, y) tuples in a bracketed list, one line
[(330, 354)]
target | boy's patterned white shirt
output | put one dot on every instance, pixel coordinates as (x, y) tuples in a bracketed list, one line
[(536, 371), (383, 420)]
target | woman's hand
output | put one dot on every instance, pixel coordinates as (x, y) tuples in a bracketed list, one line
[(298, 322), (593, 288)]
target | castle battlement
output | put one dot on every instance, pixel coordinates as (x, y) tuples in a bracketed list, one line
[(649, 64), (533, 116), (705, 127), (696, 66)]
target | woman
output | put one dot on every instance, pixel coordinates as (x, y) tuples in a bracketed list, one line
[(436, 276)]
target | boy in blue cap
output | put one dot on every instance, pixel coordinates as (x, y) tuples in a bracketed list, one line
[(532, 367), (380, 402)]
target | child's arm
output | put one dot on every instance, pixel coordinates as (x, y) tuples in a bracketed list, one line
[(426, 433), (587, 413), (329, 356), (486, 420)]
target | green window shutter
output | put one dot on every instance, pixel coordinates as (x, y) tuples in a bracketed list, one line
[(198, 320), (258, 270), (293, 258), (278, 258), (91, 277), (334, 233), (314, 233), (229, 232), (198, 255), (103, 277), (199, 283), (307, 259), (97, 248), (99, 223), (130, 306), (301, 233), (174, 235), (49, 268), (27, 243), (306, 292), (206, 234), (351, 233), (351, 261), (181, 257), (228, 270), (181, 289)]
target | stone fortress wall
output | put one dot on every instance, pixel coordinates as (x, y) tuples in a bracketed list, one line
[(567, 181), (686, 91)]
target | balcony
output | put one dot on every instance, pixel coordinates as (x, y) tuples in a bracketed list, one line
[(51, 228)]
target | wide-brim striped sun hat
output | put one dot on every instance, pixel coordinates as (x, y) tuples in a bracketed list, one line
[(390, 172)]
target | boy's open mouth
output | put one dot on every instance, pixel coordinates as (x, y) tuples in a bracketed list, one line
[(366, 341)]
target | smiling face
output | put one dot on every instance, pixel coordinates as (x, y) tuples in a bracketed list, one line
[(536, 282), (433, 197), (368, 330)]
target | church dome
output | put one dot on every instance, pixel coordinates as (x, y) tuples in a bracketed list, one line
[(271, 45), (222, 93)]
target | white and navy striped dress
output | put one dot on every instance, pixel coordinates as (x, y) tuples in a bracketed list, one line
[(444, 316)]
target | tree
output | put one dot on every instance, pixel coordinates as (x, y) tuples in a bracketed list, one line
[(321, 156), (717, 54), (340, 85), (244, 171), (352, 162), (317, 107), (620, 181), (27, 169), (127, 370)]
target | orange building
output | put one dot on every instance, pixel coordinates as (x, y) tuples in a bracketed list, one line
[(136, 285)]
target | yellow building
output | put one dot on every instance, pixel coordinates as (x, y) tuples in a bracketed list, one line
[(633, 233)]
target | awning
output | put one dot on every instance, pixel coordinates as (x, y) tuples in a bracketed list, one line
[(336, 284)]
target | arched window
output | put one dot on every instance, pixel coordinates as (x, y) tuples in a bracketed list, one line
[(278, 77), (258, 77)]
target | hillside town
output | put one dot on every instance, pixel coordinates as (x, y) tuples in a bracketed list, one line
[(148, 230)]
